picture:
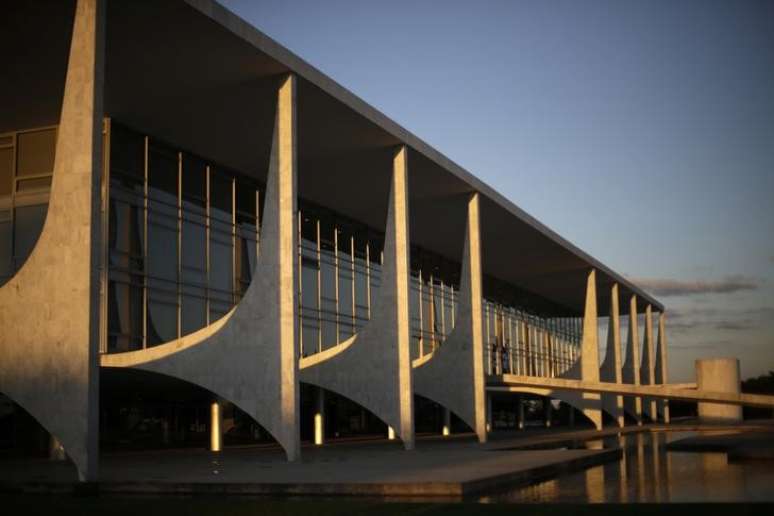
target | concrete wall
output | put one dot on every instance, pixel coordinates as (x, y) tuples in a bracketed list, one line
[(249, 357), (720, 375), (49, 332)]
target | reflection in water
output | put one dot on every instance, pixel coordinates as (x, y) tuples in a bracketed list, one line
[(647, 472), (595, 477)]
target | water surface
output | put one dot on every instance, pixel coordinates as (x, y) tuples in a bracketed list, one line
[(649, 473)]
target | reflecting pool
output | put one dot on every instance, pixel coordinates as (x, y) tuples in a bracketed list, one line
[(647, 472)]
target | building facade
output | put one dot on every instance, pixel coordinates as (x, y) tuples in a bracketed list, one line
[(202, 235)]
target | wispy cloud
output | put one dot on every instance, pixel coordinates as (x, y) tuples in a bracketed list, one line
[(686, 320), (666, 287), (694, 346), (735, 325)]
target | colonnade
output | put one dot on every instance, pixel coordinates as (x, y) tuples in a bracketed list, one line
[(250, 357)]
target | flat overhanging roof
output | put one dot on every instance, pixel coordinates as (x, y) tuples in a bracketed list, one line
[(193, 73)]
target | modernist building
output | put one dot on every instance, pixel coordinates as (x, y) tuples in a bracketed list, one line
[(202, 234)]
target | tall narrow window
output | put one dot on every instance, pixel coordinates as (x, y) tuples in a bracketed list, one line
[(328, 283), (309, 310), (126, 235), (346, 282), (193, 245), (361, 278), (221, 244), (247, 233), (162, 252)]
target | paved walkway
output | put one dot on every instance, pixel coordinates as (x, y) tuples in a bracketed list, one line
[(438, 467), (452, 467)]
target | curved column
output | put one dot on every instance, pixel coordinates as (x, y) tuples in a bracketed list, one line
[(373, 368), (586, 367), (610, 371), (662, 365), (632, 405), (589, 359), (49, 330), (648, 364), (453, 375), (248, 357)]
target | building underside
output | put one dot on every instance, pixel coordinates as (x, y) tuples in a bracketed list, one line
[(203, 236)]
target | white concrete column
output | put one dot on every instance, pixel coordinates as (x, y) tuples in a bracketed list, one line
[(284, 157), (519, 413), (648, 363), (390, 433), (250, 356), (373, 367), (591, 402), (216, 426), (401, 260), (610, 371), (629, 374), (446, 430), (473, 275), (662, 364), (454, 375), (49, 311), (319, 417)]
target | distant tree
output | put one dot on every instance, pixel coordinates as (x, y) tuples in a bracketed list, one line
[(763, 384)]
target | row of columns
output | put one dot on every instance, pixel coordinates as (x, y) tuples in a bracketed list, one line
[(267, 389), (650, 369)]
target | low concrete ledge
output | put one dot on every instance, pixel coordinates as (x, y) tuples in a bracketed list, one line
[(455, 489)]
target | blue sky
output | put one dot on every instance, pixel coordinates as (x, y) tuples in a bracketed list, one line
[(641, 131)]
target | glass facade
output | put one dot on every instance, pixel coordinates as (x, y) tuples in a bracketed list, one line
[(523, 343), (340, 274), (26, 168), (434, 298), (183, 240)]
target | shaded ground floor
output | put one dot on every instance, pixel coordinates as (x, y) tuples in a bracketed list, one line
[(146, 411)]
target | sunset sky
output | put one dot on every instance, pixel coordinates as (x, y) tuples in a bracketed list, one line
[(643, 132)]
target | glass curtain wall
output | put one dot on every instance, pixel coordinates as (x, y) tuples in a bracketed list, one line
[(522, 339), (518, 342), (182, 241), (26, 168), (434, 295), (340, 264)]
